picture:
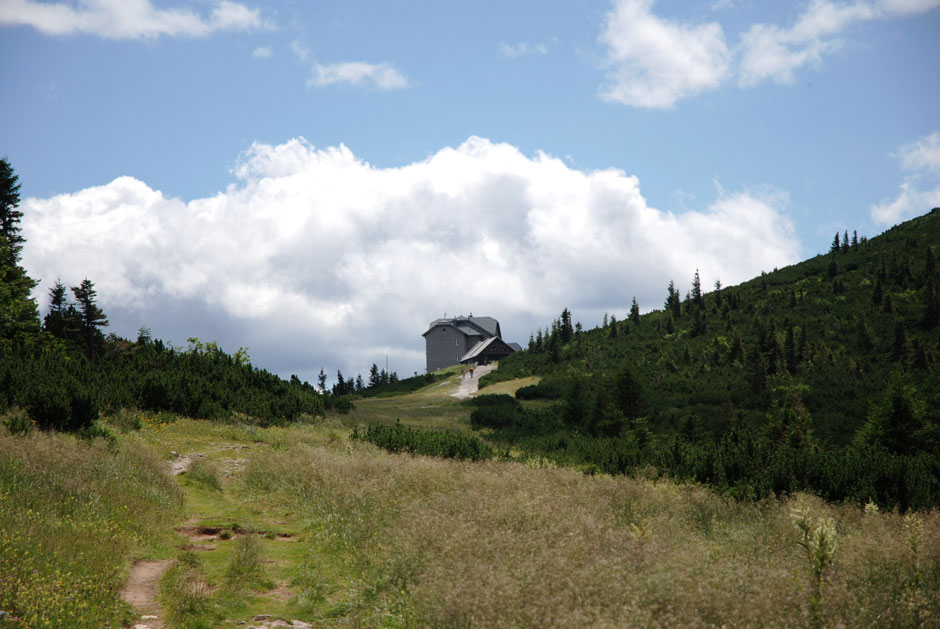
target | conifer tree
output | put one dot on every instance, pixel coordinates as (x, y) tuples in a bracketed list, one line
[(673, 303), (737, 348), (845, 242), (790, 350), (566, 330), (91, 318), (697, 297), (55, 321), (19, 316), (931, 303), (900, 349), (635, 312), (9, 215), (629, 394), (699, 327), (835, 248), (718, 297)]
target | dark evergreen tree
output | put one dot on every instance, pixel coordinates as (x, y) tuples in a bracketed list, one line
[(635, 312), (697, 298), (718, 299), (673, 303), (613, 326), (845, 242), (899, 350), (629, 393), (321, 381), (879, 293), (865, 341), (835, 248), (55, 321), (737, 347), (699, 327), (854, 240), (19, 316), (9, 215), (790, 350), (375, 378), (931, 302), (565, 328), (91, 317)]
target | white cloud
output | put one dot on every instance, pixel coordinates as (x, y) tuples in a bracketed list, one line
[(315, 258), (301, 51), (909, 203), (381, 75), (126, 19), (262, 52), (655, 62), (922, 160), (921, 155), (521, 49)]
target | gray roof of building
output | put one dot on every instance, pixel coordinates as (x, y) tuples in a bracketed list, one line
[(515, 346), (471, 326), (477, 349)]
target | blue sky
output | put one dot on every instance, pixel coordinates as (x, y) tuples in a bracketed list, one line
[(317, 181)]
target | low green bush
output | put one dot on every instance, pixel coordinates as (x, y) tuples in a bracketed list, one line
[(399, 438)]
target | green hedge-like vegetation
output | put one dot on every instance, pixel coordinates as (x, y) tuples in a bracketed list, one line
[(400, 438), (66, 390)]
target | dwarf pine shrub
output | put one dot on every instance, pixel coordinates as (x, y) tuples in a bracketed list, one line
[(400, 438)]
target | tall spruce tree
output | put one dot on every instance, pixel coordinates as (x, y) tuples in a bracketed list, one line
[(635, 312), (697, 298), (19, 316), (91, 317)]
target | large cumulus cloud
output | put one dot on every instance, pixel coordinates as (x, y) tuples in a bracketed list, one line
[(313, 257)]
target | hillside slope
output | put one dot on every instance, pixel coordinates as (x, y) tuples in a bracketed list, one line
[(839, 350)]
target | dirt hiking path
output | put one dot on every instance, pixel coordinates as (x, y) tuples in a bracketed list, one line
[(141, 592), (469, 386)]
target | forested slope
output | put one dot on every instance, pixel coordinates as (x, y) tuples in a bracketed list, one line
[(822, 375)]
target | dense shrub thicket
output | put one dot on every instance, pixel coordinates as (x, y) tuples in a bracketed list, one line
[(400, 438), (66, 391), (822, 376)]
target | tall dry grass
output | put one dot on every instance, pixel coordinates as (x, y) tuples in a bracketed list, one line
[(72, 514), (408, 541)]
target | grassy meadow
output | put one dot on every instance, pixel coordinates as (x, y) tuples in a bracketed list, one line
[(301, 522)]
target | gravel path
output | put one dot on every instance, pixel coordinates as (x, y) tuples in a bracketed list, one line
[(469, 386), (141, 592)]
